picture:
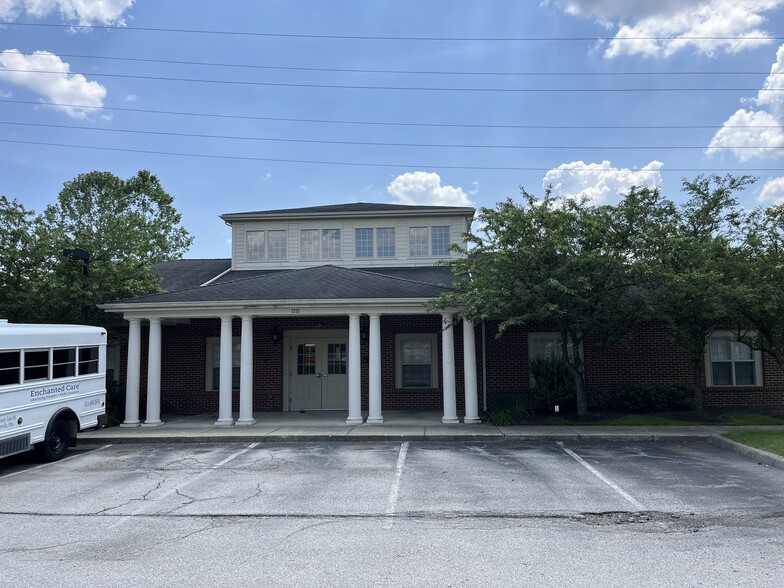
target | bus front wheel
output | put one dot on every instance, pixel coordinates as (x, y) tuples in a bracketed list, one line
[(56, 444)]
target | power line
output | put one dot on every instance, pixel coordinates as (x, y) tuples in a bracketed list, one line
[(384, 37), (381, 123), (412, 72), (387, 88), (369, 164), (382, 143)]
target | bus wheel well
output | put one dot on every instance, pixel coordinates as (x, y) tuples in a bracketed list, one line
[(69, 417)]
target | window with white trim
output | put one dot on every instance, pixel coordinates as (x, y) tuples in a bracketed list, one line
[(363, 243), (330, 244), (254, 245), (319, 244), (729, 362), (276, 245), (213, 363), (416, 360), (385, 242), (417, 242), (440, 241), (265, 245)]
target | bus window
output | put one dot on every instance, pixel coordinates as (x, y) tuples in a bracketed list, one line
[(63, 363), (36, 365), (9, 367), (88, 360)]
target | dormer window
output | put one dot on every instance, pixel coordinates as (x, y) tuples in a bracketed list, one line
[(317, 244), (265, 245), (370, 243)]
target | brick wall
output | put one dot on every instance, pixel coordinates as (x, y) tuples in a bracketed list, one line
[(648, 356)]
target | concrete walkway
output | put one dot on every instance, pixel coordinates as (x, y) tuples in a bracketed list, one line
[(397, 426)]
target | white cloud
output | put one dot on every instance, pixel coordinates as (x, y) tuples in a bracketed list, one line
[(84, 12), (750, 133), (772, 191), (61, 87), (425, 188), (676, 24), (599, 182), (130, 98), (5, 94)]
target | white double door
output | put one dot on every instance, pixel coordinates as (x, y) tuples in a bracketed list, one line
[(319, 373)]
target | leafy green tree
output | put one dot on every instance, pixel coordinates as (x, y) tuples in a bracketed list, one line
[(682, 269), (123, 225), (21, 261), (754, 281), (553, 259)]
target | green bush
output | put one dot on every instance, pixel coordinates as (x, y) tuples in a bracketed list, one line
[(553, 384), (655, 397), (509, 410)]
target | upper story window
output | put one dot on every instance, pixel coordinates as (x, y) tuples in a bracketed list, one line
[(363, 242), (265, 245), (319, 244), (374, 242), (429, 241)]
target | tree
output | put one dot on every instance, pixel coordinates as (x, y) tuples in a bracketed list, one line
[(21, 261), (682, 268), (124, 225), (553, 259), (754, 281)]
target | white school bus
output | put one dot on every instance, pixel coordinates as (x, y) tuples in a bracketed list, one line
[(52, 385)]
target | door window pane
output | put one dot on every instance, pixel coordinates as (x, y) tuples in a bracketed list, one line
[(336, 358), (306, 359)]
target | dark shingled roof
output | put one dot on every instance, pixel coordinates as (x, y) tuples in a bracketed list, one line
[(183, 274), (327, 282), (351, 207)]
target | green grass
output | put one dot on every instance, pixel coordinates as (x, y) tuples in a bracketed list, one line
[(655, 420), (772, 441), (743, 418)]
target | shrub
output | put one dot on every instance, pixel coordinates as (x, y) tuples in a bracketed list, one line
[(553, 383), (509, 410), (655, 397)]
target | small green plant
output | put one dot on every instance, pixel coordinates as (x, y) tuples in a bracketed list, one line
[(553, 384), (655, 397), (509, 410)]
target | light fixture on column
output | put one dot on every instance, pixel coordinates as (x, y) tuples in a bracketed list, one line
[(363, 333), (275, 334)]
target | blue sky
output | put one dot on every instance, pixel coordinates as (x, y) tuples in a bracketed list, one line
[(462, 102)]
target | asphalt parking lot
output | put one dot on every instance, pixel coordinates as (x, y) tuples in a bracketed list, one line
[(418, 513)]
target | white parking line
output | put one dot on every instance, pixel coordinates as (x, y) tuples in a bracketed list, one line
[(630, 499), (395, 490), (43, 465), (187, 482)]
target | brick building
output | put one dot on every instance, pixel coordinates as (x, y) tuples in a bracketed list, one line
[(326, 308)]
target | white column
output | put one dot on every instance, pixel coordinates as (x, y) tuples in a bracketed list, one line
[(154, 376), (374, 371), (224, 392), (246, 373), (133, 374), (448, 351), (354, 372), (469, 373)]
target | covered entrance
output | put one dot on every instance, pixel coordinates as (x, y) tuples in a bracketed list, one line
[(317, 371)]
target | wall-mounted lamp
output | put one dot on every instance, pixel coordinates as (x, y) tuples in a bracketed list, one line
[(363, 333), (275, 334)]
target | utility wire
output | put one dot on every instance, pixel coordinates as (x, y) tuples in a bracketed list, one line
[(412, 72), (379, 123), (379, 143), (387, 88), (384, 37), (368, 164)]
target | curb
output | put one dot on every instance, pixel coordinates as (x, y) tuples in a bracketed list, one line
[(758, 455)]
